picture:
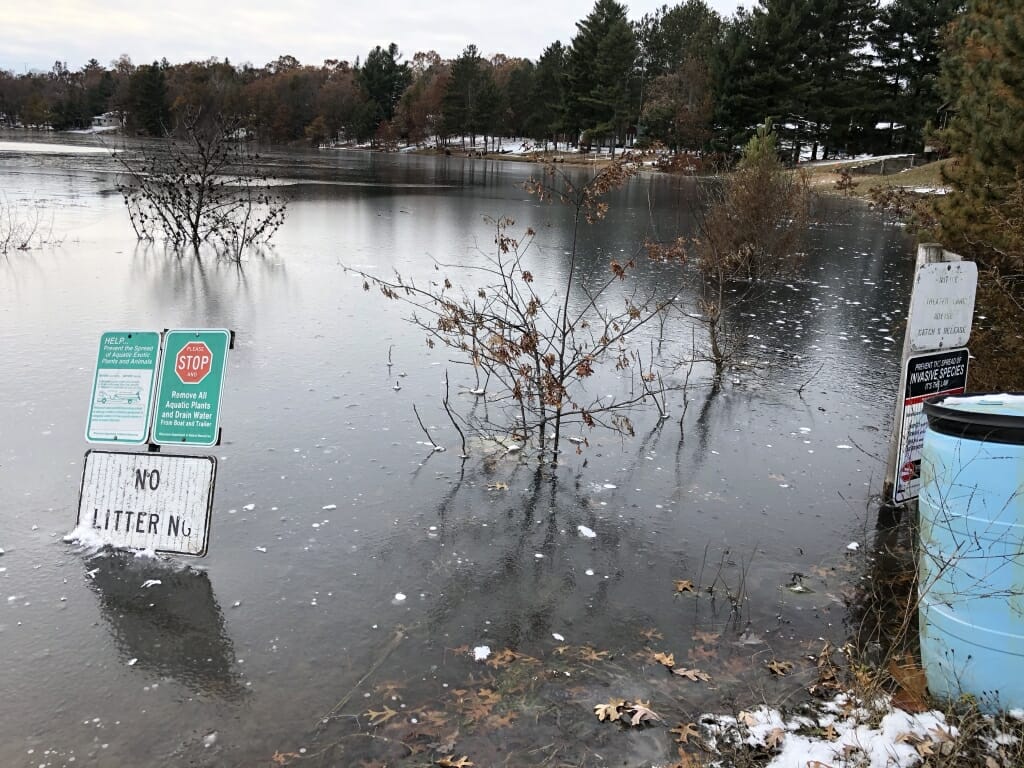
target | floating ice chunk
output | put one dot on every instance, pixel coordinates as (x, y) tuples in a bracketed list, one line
[(610, 486), (329, 506), (844, 447), (132, 662), (261, 549), (151, 583), (853, 546), (481, 652), (558, 637), (589, 571), (539, 556), (399, 597), (249, 507), (585, 532), (210, 739)]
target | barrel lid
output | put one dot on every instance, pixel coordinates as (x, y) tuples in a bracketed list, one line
[(995, 417)]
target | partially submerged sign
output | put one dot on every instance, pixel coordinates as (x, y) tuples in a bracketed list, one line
[(122, 387), (942, 307), (148, 500), (190, 384), (938, 373)]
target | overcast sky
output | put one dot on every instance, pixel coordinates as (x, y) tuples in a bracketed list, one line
[(34, 36)]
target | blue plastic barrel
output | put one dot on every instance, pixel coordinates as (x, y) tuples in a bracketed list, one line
[(971, 554)]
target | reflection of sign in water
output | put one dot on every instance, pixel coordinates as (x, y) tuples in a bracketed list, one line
[(148, 500), (122, 387), (942, 308), (191, 379), (169, 621), (939, 373)]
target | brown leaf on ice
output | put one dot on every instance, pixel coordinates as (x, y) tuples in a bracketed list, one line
[(501, 721), (779, 668), (561, 650), (380, 717), (642, 713), (692, 674), (707, 638), (591, 654), (502, 658), (651, 634), (684, 585), (451, 762), (610, 711), (830, 733), (283, 758), (684, 731), (665, 659)]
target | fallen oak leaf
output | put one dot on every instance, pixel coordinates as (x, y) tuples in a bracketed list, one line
[(749, 719), (642, 713), (450, 762), (497, 487), (707, 638), (282, 758), (779, 668), (665, 659), (591, 654), (684, 731), (692, 674), (774, 738), (501, 721), (651, 634), (378, 718), (684, 585), (830, 733), (610, 711)]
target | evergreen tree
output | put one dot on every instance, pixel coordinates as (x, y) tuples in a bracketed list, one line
[(471, 100), (984, 80), (600, 67), (908, 39), (384, 79), (150, 107), (548, 118), (669, 37)]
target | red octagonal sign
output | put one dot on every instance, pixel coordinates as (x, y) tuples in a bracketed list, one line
[(193, 362)]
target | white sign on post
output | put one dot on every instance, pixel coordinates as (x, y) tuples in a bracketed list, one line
[(148, 500), (942, 308)]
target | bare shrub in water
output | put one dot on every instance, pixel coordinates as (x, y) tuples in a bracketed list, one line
[(201, 186), (532, 350)]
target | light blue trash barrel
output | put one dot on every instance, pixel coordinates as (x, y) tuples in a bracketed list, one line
[(971, 558)]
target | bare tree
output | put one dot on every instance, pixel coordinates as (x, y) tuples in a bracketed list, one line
[(201, 186), (23, 227), (537, 347)]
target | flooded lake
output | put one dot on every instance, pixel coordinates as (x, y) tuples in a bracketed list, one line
[(351, 574)]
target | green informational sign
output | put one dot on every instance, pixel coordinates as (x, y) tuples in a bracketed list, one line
[(122, 387), (189, 389)]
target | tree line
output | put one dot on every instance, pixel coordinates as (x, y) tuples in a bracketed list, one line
[(837, 76)]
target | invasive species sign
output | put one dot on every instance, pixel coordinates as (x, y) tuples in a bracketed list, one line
[(122, 387), (190, 384), (942, 307), (148, 500), (938, 373)]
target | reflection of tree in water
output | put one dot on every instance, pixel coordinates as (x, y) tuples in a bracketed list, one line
[(173, 628), (212, 287)]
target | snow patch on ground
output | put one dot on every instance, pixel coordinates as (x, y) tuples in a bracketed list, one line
[(891, 744)]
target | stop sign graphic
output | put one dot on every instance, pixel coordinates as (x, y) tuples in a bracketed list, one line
[(193, 362)]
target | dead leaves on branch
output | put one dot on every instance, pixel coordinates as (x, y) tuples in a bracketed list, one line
[(633, 714)]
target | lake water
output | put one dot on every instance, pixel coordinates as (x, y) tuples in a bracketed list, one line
[(328, 505)]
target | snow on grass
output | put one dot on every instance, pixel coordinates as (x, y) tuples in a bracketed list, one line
[(839, 732)]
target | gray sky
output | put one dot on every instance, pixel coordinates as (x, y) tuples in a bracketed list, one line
[(258, 31)]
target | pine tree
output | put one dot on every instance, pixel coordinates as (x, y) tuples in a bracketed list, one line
[(600, 67), (984, 80), (908, 39), (548, 118), (384, 79)]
